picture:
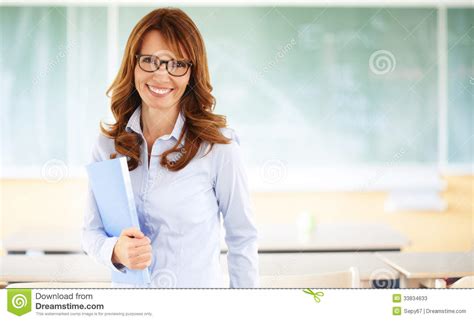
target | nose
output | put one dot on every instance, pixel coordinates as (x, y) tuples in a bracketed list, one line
[(162, 68), (161, 74)]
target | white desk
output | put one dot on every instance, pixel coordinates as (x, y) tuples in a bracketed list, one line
[(44, 240), (373, 272), (337, 237), (330, 237), (416, 267), (81, 268), (52, 268)]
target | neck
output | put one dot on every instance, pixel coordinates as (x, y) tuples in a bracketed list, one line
[(158, 122)]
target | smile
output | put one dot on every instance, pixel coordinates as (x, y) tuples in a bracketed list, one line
[(159, 91)]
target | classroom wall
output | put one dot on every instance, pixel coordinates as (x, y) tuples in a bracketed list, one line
[(36, 204)]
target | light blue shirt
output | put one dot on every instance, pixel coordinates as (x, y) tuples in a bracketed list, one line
[(181, 212)]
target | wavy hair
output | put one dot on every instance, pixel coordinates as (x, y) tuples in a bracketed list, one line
[(197, 103)]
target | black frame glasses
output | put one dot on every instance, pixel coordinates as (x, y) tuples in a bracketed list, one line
[(171, 65)]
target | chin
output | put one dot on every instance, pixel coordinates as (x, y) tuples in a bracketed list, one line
[(164, 107)]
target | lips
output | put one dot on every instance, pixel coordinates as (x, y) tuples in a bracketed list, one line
[(159, 91)]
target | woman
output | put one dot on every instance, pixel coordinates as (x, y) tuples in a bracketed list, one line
[(185, 166)]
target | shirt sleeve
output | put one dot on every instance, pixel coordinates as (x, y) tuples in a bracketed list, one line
[(95, 242), (233, 197)]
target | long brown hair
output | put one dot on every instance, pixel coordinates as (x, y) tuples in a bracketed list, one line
[(197, 103)]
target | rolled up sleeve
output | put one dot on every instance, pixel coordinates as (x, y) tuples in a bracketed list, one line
[(231, 188)]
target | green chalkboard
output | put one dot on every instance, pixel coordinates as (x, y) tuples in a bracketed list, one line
[(309, 86), (316, 86), (461, 85)]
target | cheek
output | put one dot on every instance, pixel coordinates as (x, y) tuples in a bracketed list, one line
[(183, 83), (138, 77), (140, 80), (137, 80)]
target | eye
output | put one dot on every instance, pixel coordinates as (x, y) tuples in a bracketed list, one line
[(146, 60), (181, 64), (172, 64)]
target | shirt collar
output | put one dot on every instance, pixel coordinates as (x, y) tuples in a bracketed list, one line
[(178, 127), (134, 125), (134, 121)]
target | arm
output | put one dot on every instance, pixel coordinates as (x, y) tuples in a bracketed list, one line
[(234, 203), (95, 242)]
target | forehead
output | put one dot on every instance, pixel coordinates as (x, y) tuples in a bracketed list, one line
[(155, 44)]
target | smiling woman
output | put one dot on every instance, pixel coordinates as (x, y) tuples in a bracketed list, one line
[(164, 34), (185, 166)]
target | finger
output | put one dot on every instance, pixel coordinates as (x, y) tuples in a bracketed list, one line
[(143, 249), (140, 242), (140, 259), (132, 232), (145, 264), (141, 266), (136, 251)]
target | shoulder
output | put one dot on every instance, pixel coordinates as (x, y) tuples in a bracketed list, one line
[(227, 152), (233, 144), (230, 134), (102, 147)]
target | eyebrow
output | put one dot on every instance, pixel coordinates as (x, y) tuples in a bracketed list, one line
[(177, 58)]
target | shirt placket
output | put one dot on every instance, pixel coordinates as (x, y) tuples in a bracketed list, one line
[(153, 173), (145, 191)]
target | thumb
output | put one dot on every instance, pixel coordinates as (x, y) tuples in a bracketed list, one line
[(132, 232)]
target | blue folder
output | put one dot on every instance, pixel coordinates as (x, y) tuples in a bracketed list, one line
[(112, 188)]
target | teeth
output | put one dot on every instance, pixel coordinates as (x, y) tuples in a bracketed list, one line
[(160, 91)]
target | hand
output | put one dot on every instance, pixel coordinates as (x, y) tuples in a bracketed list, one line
[(132, 249)]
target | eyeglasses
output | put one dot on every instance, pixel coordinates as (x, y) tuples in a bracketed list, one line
[(151, 63)]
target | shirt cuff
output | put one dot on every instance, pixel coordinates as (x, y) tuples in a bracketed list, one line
[(106, 255)]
